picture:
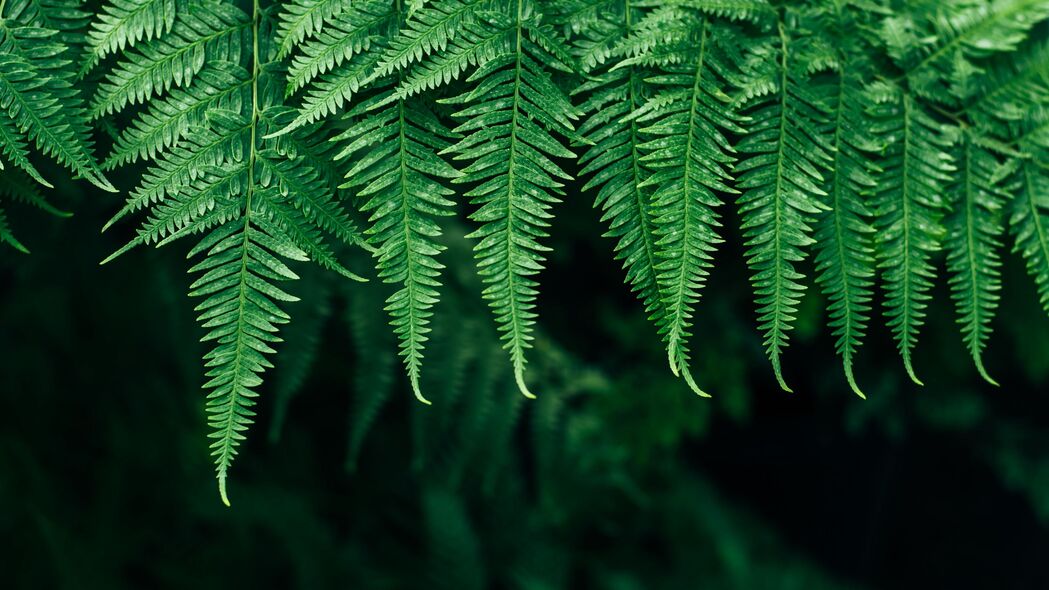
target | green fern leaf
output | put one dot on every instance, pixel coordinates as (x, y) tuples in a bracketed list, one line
[(219, 85), (688, 154), (509, 114), (125, 22), (789, 151), (258, 203), (397, 172), (845, 245), (1029, 216), (974, 238), (205, 32), (909, 207)]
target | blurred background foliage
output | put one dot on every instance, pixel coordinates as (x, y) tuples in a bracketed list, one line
[(617, 477)]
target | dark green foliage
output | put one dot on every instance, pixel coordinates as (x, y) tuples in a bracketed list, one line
[(863, 144)]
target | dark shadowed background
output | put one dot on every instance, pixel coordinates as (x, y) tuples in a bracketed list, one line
[(617, 477)]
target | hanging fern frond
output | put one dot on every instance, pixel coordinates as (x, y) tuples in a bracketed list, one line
[(1029, 216), (844, 236), (126, 22), (614, 98), (375, 362), (509, 115), (38, 103), (788, 149), (398, 174), (909, 208), (299, 354), (974, 230), (689, 155), (258, 203), (869, 134)]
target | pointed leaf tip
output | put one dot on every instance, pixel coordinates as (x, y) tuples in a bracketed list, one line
[(852, 382), (519, 377), (418, 392), (687, 374), (910, 372), (782, 382), (222, 490)]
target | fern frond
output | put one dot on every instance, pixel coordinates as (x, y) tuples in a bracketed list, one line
[(258, 203), (398, 173), (240, 270), (845, 242), (37, 100), (509, 115), (946, 69), (121, 23), (219, 85), (204, 32), (301, 19), (789, 150), (1029, 215), (909, 207), (1011, 92), (348, 35), (688, 154), (614, 160), (974, 230), (18, 187), (7, 236), (299, 354), (375, 362)]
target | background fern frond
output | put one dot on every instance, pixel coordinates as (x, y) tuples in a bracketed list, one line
[(945, 70)]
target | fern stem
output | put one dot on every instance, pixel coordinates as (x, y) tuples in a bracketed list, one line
[(675, 347), (976, 326), (230, 418), (517, 341), (905, 200), (410, 281), (841, 238), (778, 197)]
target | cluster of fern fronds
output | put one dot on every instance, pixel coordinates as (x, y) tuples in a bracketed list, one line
[(871, 135)]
